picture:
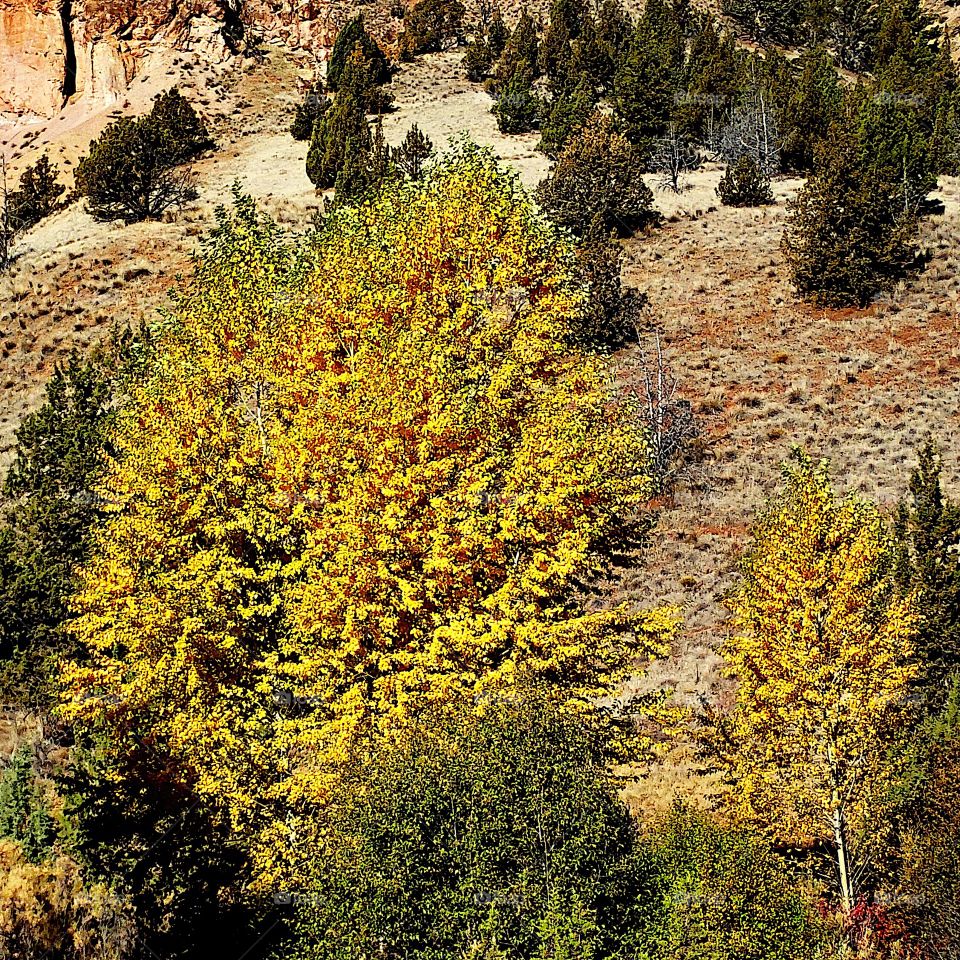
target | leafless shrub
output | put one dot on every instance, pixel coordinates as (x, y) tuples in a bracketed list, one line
[(673, 155), (673, 432)]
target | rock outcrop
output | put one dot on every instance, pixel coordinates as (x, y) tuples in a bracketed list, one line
[(55, 51)]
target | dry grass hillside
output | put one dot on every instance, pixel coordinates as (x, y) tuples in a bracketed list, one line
[(763, 371)]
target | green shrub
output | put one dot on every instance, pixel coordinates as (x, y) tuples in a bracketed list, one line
[(596, 183), (745, 185), (432, 26), (313, 107), (724, 895), (23, 811), (500, 832)]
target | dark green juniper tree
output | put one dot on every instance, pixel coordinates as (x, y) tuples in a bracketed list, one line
[(51, 513)]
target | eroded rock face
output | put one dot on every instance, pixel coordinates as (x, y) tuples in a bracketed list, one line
[(32, 56), (52, 51), (93, 49)]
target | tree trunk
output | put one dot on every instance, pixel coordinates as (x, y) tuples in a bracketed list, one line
[(839, 826)]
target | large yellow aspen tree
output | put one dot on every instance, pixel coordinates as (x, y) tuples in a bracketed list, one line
[(366, 475)]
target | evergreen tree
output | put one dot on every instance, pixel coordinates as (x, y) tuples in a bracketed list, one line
[(566, 117), (411, 156), (643, 91), (432, 26), (847, 237), (360, 81), (945, 137), (477, 61), (595, 185), (497, 34), (517, 108), (896, 144), (37, 195), (853, 33), (521, 55), (612, 314), (814, 103), (711, 83), (186, 133), (134, 170), (766, 21), (928, 531), (51, 515), (341, 137), (556, 56), (504, 829), (354, 34)]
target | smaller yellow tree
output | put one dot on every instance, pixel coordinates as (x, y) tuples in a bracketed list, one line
[(821, 651)]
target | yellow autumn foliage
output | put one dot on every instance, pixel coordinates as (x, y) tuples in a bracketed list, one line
[(47, 910), (821, 650), (365, 475)]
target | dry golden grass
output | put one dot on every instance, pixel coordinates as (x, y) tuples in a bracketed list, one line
[(767, 372)]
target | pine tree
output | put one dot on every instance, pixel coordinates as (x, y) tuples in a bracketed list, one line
[(24, 817), (51, 514), (186, 132), (432, 26), (477, 61), (847, 236), (814, 103), (135, 170), (342, 136), (521, 55), (612, 314), (352, 35), (767, 21), (517, 108), (928, 531), (37, 195), (643, 91), (853, 33), (497, 34), (411, 156), (895, 144)]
